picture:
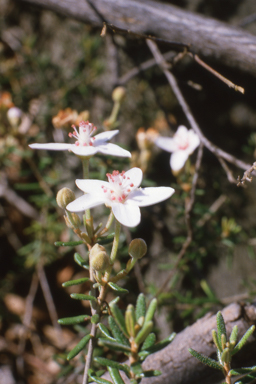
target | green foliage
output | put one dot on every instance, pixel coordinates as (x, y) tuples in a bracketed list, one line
[(79, 347), (225, 351), (73, 320)]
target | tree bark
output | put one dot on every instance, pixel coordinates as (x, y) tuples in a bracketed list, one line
[(207, 37), (178, 366)]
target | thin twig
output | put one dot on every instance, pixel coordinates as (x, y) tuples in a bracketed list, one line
[(229, 174), (229, 83), (213, 209), (188, 209), (247, 176), (172, 81), (26, 322), (48, 296)]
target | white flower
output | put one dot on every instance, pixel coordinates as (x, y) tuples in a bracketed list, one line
[(86, 145), (121, 193), (181, 145)]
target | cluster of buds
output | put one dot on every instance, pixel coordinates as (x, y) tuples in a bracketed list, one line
[(68, 116)]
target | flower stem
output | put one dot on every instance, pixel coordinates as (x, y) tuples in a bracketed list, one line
[(115, 242), (108, 224), (89, 222)]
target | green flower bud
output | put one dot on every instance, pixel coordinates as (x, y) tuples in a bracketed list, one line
[(118, 94), (99, 258), (64, 197), (137, 248)]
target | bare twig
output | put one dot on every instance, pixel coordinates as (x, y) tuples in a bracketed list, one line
[(48, 296), (213, 208), (230, 176), (247, 176), (229, 83), (188, 208), (219, 153), (26, 322)]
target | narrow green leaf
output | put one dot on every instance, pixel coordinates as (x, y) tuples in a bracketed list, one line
[(80, 261), (115, 376), (79, 347), (162, 344), (68, 244), (114, 345), (241, 371), (99, 380), (140, 307), (225, 356), (151, 373), (75, 282), (149, 342), (114, 301), (116, 288), (130, 320), (144, 332), (106, 239), (205, 360), (221, 328), (234, 335), (243, 340), (247, 379), (119, 318), (117, 332), (105, 332), (137, 369), (216, 340), (81, 296), (151, 310), (73, 320), (113, 364)]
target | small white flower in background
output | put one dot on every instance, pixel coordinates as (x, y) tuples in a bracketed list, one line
[(14, 114), (87, 145), (181, 145), (121, 193)]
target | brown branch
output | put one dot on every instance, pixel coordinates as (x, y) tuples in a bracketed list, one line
[(247, 176), (207, 37), (219, 153), (179, 367)]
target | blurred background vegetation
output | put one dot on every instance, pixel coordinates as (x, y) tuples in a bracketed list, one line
[(49, 63)]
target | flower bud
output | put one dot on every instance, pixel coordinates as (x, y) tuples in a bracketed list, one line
[(137, 248), (99, 259), (118, 94), (64, 197)]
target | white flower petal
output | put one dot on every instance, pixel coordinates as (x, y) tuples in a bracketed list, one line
[(178, 160), (149, 196), (83, 151), (167, 144), (128, 215), (92, 186), (135, 175), (51, 146), (85, 202), (182, 131), (194, 140), (113, 150), (104, 136)]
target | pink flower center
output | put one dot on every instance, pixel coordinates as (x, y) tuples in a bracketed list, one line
[(119, 187), (181, 141), (83, 138)]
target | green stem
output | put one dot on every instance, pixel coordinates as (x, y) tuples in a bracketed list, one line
[(113, 251), (108, 224), (115, 242), (89, 224)]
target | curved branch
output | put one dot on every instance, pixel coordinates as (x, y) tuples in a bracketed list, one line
[(207, 37)]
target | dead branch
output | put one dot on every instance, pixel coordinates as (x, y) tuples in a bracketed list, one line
[(207, 37), (179, 367)]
